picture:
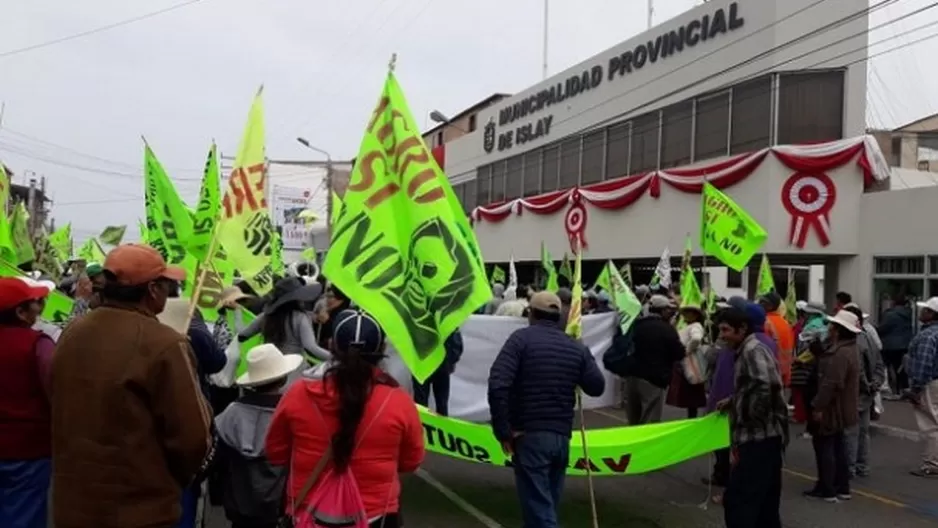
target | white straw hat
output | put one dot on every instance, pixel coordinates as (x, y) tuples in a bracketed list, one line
[(846, 320), (266, 363)]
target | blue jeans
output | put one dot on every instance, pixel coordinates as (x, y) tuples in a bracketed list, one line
[(540, 464), (190, 503), (24, 493)]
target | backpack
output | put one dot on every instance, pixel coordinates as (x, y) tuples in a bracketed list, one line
[(336, 501), (619, 359)]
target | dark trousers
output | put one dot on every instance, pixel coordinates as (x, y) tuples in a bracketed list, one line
[(753, 494), (439, 383), (893, 360), (721, 467), (24, 493), (833, 467), (540, 464)]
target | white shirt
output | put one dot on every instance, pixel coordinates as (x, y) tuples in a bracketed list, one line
[(691, 337)]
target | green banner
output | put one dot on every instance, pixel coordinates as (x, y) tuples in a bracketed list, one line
[(727, 232), (61, 242), (208, 210), (402, 248), (628, 450), (19, 232), (547, 262), (113, 235)]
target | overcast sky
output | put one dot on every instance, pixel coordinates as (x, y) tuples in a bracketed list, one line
[(75, 110)]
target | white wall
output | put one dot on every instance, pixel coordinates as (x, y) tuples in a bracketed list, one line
[(644, 228), (687, 73)]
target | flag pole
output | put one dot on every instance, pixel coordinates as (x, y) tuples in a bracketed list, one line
[(202, 272), (579, 403)]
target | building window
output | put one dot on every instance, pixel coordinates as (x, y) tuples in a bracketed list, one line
[(532, 173), (469, 195), (472, 123), (549, 178), (676, 131), (734, 279), (459, 190), (810, 107), (712, 126), (751, 116), (514, 178), (498, 181), (618, 149), (645, 143), (484, 185), (570, 163), (899, 265), (591, 168), (439, 138), (896, 154)]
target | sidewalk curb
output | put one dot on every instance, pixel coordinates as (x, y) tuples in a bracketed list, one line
[(895, 432)]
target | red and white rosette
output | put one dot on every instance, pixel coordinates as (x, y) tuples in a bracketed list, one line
[(809, 198), (575, 223)]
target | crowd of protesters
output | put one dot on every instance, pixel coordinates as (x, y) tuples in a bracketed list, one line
[(312, 428)]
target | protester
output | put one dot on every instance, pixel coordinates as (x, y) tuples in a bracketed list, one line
[(438, 382), (758, 428), (285, 324), (590, 302), (532, 394), (681, 392), (253, 489), (834, 408), (25, 413), (799, 318), (869, 329), (356, 418), (87, 293), (872, 377), (603, 303), (336, 303), (778, 329), (923, 385), (130, 427), (654, 347), (811, 344), (514, 308), (498, 296), (232, 301), (566, 300), (895, 330)]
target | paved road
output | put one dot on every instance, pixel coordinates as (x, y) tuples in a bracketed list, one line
[(675, 498)]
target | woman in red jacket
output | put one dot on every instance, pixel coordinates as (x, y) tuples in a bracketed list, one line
[(371, 423)]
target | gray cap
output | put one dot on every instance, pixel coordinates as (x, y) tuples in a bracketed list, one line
[(565, 295), (657, 302), (815, 308), (603, 297)]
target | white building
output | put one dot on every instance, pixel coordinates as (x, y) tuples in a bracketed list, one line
[(619, 145)]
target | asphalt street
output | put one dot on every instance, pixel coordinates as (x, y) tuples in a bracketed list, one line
[(673, 498)]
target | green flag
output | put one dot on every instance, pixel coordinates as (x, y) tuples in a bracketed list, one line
[(498, 275), (791, 298), (402, 247), (7, 249), (169, 224), (765, 283), (690, 290), (112, 235), (144, 232), (603, 281), (727, 232), (208, 210), (61, 242), (627, 304), (47, 259), (548, 264), (565, 270), (19, 232), (91, 251), (626, 272)]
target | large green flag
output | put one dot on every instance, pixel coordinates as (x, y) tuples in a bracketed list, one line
[(402, 248), (627, 304), (498, 275), (603, 280), (566, 270), (208, 210), (91, 251), (61, 242), (47, 259), (765, 283), (727, 232), (7, 249), (169, 225), (19, 233), (113, 235)]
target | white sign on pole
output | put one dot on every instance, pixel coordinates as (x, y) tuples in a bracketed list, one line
[(288, 203)]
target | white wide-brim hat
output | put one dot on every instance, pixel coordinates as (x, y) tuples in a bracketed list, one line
[(266, 363), (846, 320), (176, 315)]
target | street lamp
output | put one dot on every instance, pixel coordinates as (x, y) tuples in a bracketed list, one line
[(303, 141), (438, 117)]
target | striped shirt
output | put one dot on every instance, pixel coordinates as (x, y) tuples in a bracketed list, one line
[(758, 407)]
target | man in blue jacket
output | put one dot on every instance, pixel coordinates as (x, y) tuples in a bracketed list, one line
[(439, 380), (532, 394)]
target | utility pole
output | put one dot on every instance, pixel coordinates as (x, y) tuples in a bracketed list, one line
[(31, 207), (546, 35), (651, 12)]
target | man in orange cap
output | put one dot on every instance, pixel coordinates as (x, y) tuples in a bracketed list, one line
[(25, 423), (131, 429)]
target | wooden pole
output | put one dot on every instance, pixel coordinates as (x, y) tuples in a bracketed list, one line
[(589, 470), (203, 270)]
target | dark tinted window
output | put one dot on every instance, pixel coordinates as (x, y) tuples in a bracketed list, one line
[(594, 146), (676, 131), (619, 148), (712, 126), (484, 185), (570, 163), (645, 143), (752, 116), (551, 168), (513, 180), (810, 107), (498, 181), (532, 173)]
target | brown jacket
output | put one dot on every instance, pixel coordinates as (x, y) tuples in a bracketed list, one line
[(130, 427), (838, 388)]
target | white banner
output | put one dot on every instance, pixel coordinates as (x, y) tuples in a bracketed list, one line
[(288, 203), (483, 337)]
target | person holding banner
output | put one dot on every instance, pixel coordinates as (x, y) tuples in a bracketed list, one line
[(532, 394)]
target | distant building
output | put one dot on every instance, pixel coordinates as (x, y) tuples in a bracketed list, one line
[(912, 146)]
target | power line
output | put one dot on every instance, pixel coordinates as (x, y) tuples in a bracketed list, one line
[(100, 29)]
